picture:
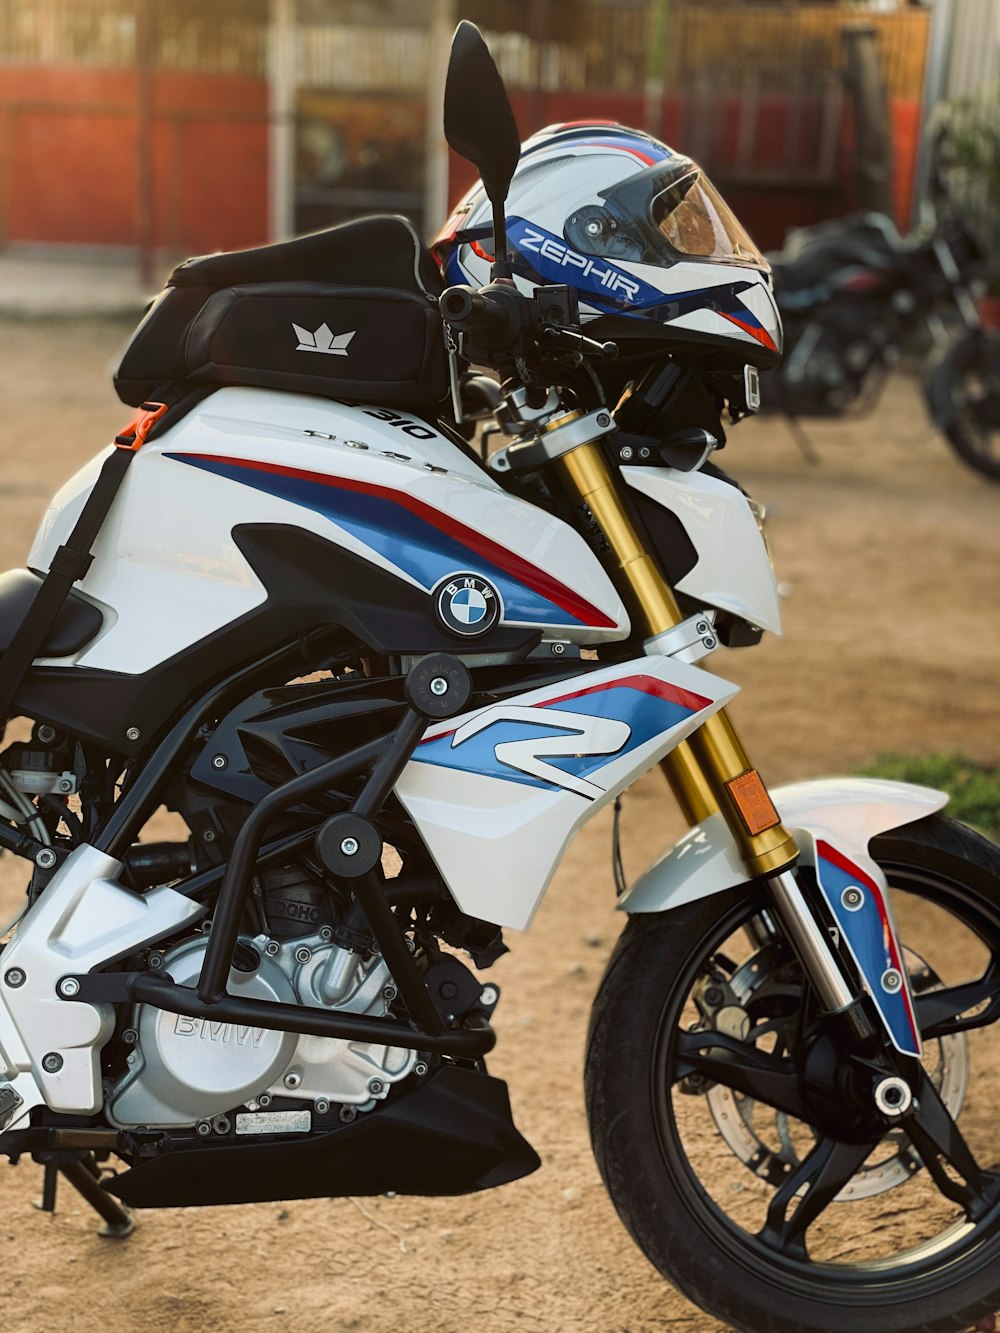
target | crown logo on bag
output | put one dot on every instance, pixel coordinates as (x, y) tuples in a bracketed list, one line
[(322, 340)]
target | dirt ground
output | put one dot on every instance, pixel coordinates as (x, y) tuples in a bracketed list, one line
[(889, 550)]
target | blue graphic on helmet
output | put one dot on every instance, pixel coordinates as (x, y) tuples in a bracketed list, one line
[(555, 261)]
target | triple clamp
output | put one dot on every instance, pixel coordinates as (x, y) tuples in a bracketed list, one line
[(689, 641)]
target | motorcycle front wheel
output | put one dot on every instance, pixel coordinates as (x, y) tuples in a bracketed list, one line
[(974, 429), (739, 1179)]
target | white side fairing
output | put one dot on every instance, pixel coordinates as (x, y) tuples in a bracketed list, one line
[(497, 793), (388, 488), (733, 571)]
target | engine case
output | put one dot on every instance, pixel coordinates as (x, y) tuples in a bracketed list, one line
[(185, 1070)]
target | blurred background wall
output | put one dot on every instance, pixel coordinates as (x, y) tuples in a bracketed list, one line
[(170, 127)]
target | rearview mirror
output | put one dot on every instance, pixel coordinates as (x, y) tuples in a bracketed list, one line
[(479, 123)]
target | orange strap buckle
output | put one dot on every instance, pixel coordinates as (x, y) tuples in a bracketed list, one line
[(135, 434)]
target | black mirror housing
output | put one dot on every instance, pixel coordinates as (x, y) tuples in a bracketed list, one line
[(478, 121)]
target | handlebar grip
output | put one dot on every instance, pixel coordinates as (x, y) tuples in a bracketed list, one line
[(481, 313)]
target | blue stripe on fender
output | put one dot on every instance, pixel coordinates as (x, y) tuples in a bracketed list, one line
[(868, 931)]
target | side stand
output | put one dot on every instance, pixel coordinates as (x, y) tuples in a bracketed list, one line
[(83, 1173)]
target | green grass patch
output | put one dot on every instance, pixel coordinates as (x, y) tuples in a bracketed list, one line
[(974, 788)]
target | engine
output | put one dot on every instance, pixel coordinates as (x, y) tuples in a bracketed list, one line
[(192, 1071)]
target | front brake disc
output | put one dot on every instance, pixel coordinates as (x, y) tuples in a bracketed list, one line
[(769, 1143)]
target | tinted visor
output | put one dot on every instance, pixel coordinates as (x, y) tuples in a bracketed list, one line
[(695, 220), (669, 212)]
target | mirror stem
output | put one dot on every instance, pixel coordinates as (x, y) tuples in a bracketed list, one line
[(501, 264)]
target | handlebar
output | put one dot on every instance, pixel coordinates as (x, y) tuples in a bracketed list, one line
[(496, 314)]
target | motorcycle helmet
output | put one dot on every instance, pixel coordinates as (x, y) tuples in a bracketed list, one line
[(637, 230)]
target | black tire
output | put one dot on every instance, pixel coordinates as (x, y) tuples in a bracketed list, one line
[(937, 869), (973, 430)]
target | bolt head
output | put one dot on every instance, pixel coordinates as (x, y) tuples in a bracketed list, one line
[(69, 986), (130, 1036), (208, 835), (302, 954), (439, 686), (488, 995), (203, 1128), (892, 980), (347, 1114), (322, 1105), (52, 1063), (219, 761), (349, 846), (14, 977), (326, 933), (156, 961), (133, 733), (264, 1099), (375, 1086), (853, 898), (558, 649), (272, 948), (625, 454), (45, 858), (420, 1069), (603, 419), (292, 1079)]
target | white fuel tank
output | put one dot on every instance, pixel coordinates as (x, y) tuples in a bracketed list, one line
[(387, 487)]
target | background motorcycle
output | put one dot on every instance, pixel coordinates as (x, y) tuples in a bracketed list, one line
[(759, 1009), (852, 294)]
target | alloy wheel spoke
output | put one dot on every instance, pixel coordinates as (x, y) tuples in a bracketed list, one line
[(939, 1012), (941, 1145), (744, 1068), (823, 1174)]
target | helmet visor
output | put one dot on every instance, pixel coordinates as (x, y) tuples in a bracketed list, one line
[(670, 212), (694, 220)]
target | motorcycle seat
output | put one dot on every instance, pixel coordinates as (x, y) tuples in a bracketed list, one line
[(381, 251), (77, 623), (813, 255)]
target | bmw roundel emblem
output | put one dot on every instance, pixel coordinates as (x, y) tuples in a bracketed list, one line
[(467, 604)]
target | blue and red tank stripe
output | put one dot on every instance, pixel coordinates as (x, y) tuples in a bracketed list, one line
[(418, 539)]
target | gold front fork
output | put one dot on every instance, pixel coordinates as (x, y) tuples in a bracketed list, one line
[(701, 769)]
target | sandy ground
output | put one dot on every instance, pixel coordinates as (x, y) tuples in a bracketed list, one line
[(890, 551)]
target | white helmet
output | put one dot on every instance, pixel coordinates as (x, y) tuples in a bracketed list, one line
[(638, 231)]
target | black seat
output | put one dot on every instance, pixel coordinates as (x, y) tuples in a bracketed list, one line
[(76, 624), (381, 251)]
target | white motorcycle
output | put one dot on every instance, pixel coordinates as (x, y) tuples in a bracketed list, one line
[(293, 606)]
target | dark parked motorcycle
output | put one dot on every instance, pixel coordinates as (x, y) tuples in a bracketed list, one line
[(853, 293)]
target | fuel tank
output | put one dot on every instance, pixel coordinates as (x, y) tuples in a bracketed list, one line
[(396, 512)]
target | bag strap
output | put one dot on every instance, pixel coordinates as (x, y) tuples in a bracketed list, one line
[(73, 559)]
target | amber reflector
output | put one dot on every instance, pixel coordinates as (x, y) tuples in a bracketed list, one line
[(752, 801)]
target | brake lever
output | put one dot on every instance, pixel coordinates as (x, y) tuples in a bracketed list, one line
[(557, 335)]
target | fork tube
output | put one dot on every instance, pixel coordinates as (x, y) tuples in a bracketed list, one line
[(699, 769)]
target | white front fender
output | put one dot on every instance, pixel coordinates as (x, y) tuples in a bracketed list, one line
[(846, 812)]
